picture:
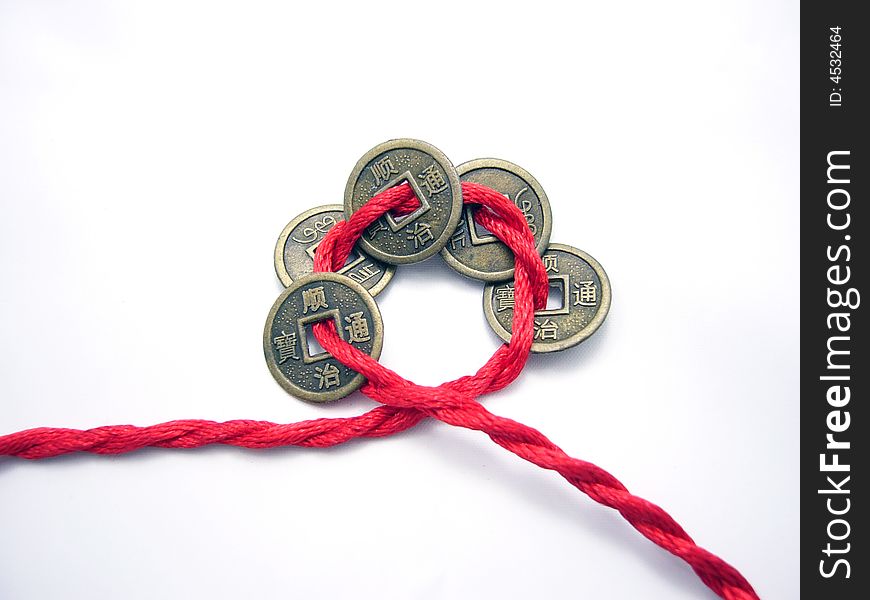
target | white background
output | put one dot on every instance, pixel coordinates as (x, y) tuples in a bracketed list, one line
[(151, 153)]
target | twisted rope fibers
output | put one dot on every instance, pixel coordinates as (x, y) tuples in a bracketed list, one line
[(404, 403)]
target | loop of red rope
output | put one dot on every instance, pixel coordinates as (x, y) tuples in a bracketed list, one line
[(404, 403)]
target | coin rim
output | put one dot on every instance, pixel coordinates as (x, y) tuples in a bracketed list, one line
[(452, 176), (357, 381), (281, 268), (591, 327), (547, 217)]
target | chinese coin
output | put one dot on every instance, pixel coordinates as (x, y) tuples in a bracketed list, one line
[(477, 253), (294, 252), (295, 359), (416, 236), (582, 301)]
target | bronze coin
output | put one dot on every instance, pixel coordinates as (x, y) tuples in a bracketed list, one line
[(583, 293), (422, 233), (475, 252), (294, 252), (301, 369)]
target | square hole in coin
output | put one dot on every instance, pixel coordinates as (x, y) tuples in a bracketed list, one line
[(482, 232), (352, 258), (416, 206), (556, 298), (420, 204), (312, 351), (479, 233), (314, 347)]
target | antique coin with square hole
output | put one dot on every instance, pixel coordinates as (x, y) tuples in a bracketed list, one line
[(294, 252), (475, 252), (422, 233), (303, 368), (579, 292)]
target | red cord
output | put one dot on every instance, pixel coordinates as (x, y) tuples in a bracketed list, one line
[(404, 403)]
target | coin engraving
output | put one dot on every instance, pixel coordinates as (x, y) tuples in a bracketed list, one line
[(582, 300), (403, 239), (294, 252), (303, 369), (477, 253)]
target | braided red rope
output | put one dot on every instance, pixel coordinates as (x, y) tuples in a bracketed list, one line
[(404, 403)]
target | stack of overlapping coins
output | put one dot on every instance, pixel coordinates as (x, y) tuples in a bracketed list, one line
[(579, 288)]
